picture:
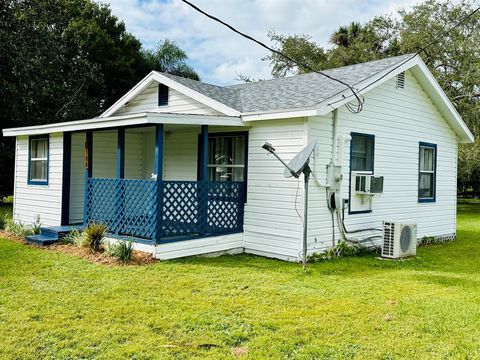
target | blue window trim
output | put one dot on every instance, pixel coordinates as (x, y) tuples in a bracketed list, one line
[(350, 211), (434, 147), (38, 137)]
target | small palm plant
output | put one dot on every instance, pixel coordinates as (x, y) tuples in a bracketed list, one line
[(94, 235)]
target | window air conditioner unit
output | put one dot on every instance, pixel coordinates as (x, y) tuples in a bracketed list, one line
[(399, 240), (368, 184)]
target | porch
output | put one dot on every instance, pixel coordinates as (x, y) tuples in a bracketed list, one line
[(158, 184)]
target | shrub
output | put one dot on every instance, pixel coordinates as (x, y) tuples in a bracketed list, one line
[(123, 251), (342, 249), (4, 219), (18, 228), (37, 225), (94, 235), (74, 237), (109, 248)]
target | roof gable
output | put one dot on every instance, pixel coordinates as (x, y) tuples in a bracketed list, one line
[(173, 83), (307, 94)]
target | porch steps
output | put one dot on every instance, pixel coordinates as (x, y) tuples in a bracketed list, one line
[(50, 235)]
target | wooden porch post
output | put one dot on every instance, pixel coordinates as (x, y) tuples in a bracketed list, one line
[(120, 186), (88, 171), (66, 169), (159, 141), (202, 187), (203, 165), (121, 153)]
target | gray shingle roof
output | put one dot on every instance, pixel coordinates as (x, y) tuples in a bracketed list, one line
[(300, 91)]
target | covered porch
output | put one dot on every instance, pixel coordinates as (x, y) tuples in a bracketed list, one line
[(159, 183)]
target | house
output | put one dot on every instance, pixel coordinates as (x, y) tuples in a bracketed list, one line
[(178, 165)]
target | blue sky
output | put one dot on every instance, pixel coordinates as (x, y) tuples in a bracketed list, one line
[(217, 53)]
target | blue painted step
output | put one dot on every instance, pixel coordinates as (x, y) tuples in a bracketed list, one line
[(41, 240), (50, 235)]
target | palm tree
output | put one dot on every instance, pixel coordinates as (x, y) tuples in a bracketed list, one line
[(167, 57), (346, 35)]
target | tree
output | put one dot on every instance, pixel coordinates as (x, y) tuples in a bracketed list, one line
[(167, 57), (64, 60), (454, 60)]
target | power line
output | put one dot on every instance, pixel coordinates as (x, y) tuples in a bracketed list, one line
[(435, 40), (358, 107)]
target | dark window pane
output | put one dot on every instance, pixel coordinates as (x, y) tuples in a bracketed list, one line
[(362, 152), (224, 151), (38, 170), (425, 187)]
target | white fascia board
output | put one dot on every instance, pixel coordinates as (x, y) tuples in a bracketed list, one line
[(448, 110), (126, 120), (132, 93), (188, 119), (79, 125), (279, 115), (156, 76)]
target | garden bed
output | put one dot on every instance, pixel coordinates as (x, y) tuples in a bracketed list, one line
[(100, 257)]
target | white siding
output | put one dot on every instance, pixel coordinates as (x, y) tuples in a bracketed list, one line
[(180, 155), (232, 243), (147, 100), (272, 226), (77, 178), (399, 119), (104, 162), (42, 200)]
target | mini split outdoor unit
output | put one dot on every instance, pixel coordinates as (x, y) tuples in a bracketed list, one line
[(399, 240)]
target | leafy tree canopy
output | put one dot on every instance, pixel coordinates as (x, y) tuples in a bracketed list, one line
[(454, 59), (64, 60)]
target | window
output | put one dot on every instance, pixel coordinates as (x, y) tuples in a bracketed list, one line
[(38, 161), (362, 152), (226, 157), (427, 172), (162, 95)]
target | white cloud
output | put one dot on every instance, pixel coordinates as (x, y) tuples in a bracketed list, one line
[(217, 53)]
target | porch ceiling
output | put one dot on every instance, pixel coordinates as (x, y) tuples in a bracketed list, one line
[(145, 118)]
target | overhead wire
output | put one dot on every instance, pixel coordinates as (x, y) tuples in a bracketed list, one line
[(434, 41), (353, 108)]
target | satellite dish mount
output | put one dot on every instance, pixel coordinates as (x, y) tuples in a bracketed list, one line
[(298, 165)]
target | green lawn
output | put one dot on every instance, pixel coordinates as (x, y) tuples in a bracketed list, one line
[(56, 306)]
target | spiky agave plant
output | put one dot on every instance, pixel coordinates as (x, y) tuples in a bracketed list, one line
[(94, 235), (124, 251)]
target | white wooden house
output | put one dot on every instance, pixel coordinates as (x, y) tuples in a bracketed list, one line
[(177, 165)]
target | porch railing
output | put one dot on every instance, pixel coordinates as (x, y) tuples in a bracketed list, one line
[(165, 210)]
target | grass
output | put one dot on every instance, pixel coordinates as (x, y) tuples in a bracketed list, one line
[(56, 306)]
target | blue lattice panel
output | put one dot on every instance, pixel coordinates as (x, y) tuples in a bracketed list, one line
[(225, 206), (180, 208), (127, 207), (100, 202), (139, 208), (185, 208), (202, 207)]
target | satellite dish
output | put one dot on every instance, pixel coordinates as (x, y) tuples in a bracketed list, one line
[(297, 164)]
